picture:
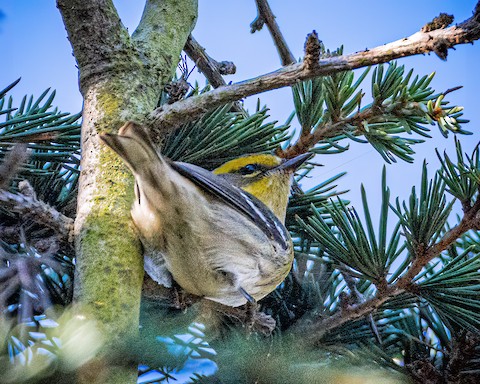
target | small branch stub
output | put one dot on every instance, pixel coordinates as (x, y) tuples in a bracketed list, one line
[(226, 67), (212, 69)]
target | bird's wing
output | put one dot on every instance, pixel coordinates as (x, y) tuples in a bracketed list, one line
[(238, 199)]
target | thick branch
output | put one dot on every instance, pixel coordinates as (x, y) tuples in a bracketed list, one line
[(266, 16), (159, 27), (121, 78), (171, 116), (99, 41)]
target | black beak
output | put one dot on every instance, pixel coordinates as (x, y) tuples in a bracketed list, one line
[(292, 165)]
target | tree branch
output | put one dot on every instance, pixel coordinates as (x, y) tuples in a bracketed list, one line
[(100, 41), (348, 313), (308, 137), (212, 69), (266, 16), (468, 222), (38, 211), (120, 80), (158, 27), (170, 116)]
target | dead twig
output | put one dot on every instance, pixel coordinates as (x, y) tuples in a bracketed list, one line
[(212, 69), (266, 16)]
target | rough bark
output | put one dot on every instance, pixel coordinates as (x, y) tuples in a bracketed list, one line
[(120, 79)]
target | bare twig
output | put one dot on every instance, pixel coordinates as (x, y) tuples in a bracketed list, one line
[(170, 116), (212, 69), (266, 16), (38, 211)]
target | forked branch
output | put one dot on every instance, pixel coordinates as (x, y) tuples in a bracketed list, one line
[(168, 117)]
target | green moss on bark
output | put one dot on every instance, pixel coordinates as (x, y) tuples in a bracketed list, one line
[(126, 86)]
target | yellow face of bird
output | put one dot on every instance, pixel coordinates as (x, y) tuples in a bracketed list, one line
[(262, 176)]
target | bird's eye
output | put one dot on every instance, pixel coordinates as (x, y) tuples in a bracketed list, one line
[(248, 169)]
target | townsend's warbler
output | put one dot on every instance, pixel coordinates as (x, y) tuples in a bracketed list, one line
[(220, 235)]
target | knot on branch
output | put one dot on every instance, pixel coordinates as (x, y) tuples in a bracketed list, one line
[(313, 49), (226, 68), (440, 47), (257, 24), (176, 90), (440, 22), (26, 189)]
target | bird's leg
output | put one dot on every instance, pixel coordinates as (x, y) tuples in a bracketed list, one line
[(179, 297), (249, 297), (250, 310)]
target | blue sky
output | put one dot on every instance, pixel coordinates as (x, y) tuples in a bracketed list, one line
[(35, 47)]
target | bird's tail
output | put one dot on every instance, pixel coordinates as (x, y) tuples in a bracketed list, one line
[(133, 145)]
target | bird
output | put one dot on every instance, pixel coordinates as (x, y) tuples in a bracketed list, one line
[(219, 234)]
